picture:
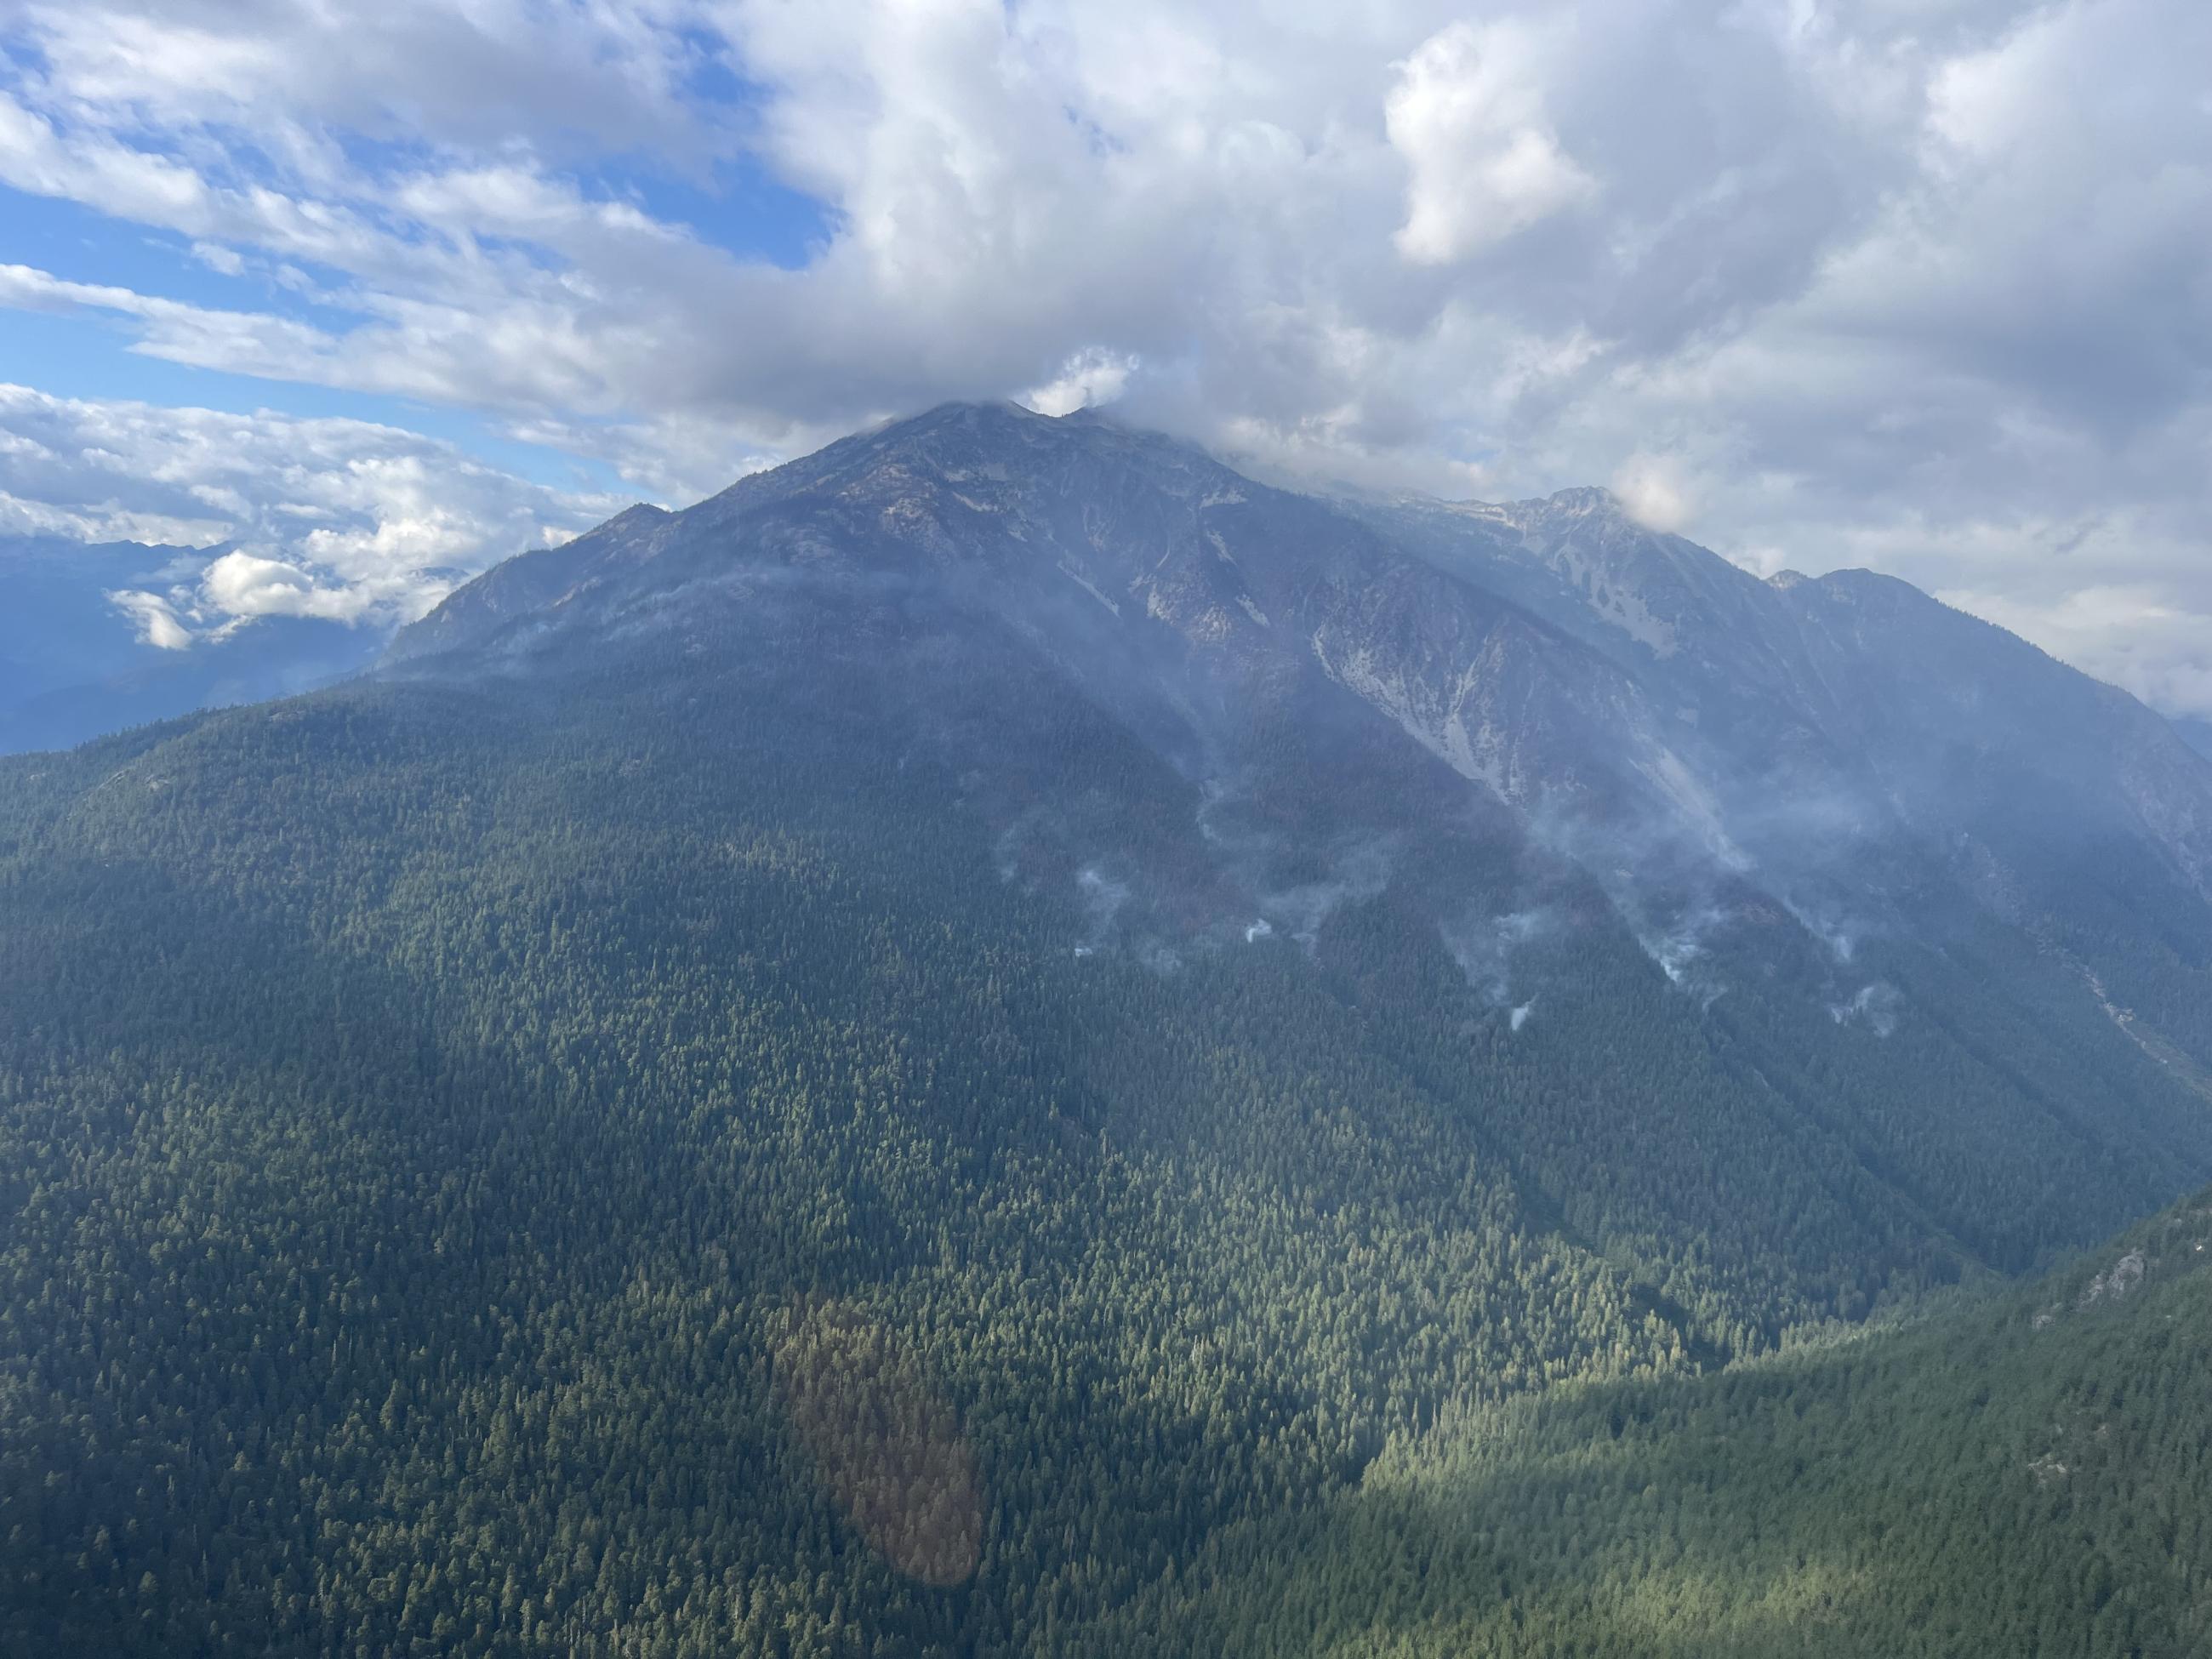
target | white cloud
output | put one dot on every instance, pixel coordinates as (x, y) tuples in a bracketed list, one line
[(1467, 114), (1914, 285), (607, 71), (242, 584), (106, 519), (1089, 378), (156, 623), (1652, 493), (341, 520), (225, 261)]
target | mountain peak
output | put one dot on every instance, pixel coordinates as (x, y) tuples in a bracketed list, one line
[(982, 414), (1134, 554), (1585, 499)]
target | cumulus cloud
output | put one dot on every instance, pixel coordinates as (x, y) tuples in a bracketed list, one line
[(242, 584), (1091, 378), (1652, 494), (272, 515), (1467, 114), (1920, 287), (156, 623)]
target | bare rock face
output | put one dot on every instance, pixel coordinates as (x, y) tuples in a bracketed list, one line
[(2117, 1281)]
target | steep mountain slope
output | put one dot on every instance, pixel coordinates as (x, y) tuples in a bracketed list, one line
[(1893, 714), (1670, 686), (1886, 853), (1851, 724), (1140, 566)]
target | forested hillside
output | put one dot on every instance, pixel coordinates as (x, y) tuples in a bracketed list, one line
[(800, 1115), (2028, 1479), (501, 1170), (428, 1119)]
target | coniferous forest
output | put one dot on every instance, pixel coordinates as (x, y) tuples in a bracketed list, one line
[(666, 1159)]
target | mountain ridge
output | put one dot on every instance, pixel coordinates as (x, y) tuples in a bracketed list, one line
[(1703, 644)]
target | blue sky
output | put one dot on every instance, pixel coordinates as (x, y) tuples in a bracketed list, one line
[(88, 355), (378, 293)]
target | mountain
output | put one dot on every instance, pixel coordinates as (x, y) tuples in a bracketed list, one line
[(2197, 734), (1872, 839), (1577, 669), (971, 1046), (71, 667)]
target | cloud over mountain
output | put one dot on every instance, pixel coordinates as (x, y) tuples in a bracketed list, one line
[(1918, 286)]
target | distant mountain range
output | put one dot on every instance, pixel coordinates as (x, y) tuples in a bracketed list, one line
[(72, 666)]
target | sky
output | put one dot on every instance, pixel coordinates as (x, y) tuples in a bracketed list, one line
[(374, 294)]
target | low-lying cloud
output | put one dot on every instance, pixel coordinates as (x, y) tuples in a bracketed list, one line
[(270, 514)]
